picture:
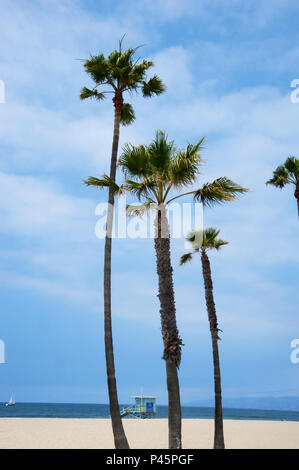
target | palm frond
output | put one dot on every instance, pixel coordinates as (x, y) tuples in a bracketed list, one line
[(87, 93), (219, 243), (154, 86), (292, 165), (104, 182), (143, 188), (160, 151), (136, 75), (139, 210), (195, 238), (127, 114), (184, 167), (210, 234), (186, 257), (98, 68), (134, 161), (210, 240), (113, 57), (280, 178), (220, 190)]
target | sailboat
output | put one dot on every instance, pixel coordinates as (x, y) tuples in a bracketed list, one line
[(11, 401)]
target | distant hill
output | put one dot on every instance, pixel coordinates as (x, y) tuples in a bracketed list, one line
[(258, 403)]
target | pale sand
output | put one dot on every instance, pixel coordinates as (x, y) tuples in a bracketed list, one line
[(54, 433)]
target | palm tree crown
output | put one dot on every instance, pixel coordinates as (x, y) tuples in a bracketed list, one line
[(202, 240), (286, 173), (120, 72), (152, 172)]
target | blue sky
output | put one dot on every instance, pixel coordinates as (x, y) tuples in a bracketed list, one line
[(228, 66)]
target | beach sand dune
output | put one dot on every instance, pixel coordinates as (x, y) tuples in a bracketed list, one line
[(57, 433)]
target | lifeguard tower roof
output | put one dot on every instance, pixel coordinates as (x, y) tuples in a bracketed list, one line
[(143, 396)]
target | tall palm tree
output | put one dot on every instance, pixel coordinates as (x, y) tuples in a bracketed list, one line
[(202, 241), (117, 74), (286, 174), (154, 173)]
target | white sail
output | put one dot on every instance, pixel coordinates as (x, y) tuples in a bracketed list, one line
[(11, 401)]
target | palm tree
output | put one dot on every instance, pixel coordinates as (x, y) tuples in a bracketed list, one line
[(202, 241), (120, 72), (285, 174), (152, 173)]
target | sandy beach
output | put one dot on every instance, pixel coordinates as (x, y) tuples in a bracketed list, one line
[(58, 433)]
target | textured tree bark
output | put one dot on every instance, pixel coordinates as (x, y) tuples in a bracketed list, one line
[(171, 339), (206, 269), (296, 194), (120, 439)]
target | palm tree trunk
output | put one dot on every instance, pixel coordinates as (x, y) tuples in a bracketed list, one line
[(296, 194), (172, 341), (206, 269), (120, 439)]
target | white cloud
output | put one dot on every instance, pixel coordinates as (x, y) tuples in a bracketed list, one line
[(178, 82), (76, 294), (50, 228), (57, 140), (35, 208)]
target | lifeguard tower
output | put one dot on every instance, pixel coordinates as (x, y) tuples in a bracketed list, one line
[(145, 407)]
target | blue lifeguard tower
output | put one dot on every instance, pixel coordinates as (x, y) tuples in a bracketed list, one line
[(144, 407)]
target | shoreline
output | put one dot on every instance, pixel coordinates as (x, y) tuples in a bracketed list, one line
[(258, 420), (96, 433), (101, 411)]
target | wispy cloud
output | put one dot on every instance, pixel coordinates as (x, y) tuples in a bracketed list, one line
[(36, 208), (75, 294)]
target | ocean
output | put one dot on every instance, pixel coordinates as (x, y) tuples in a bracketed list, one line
[(68, 410)]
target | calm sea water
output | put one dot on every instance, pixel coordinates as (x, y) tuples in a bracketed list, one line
[(62, 410)]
